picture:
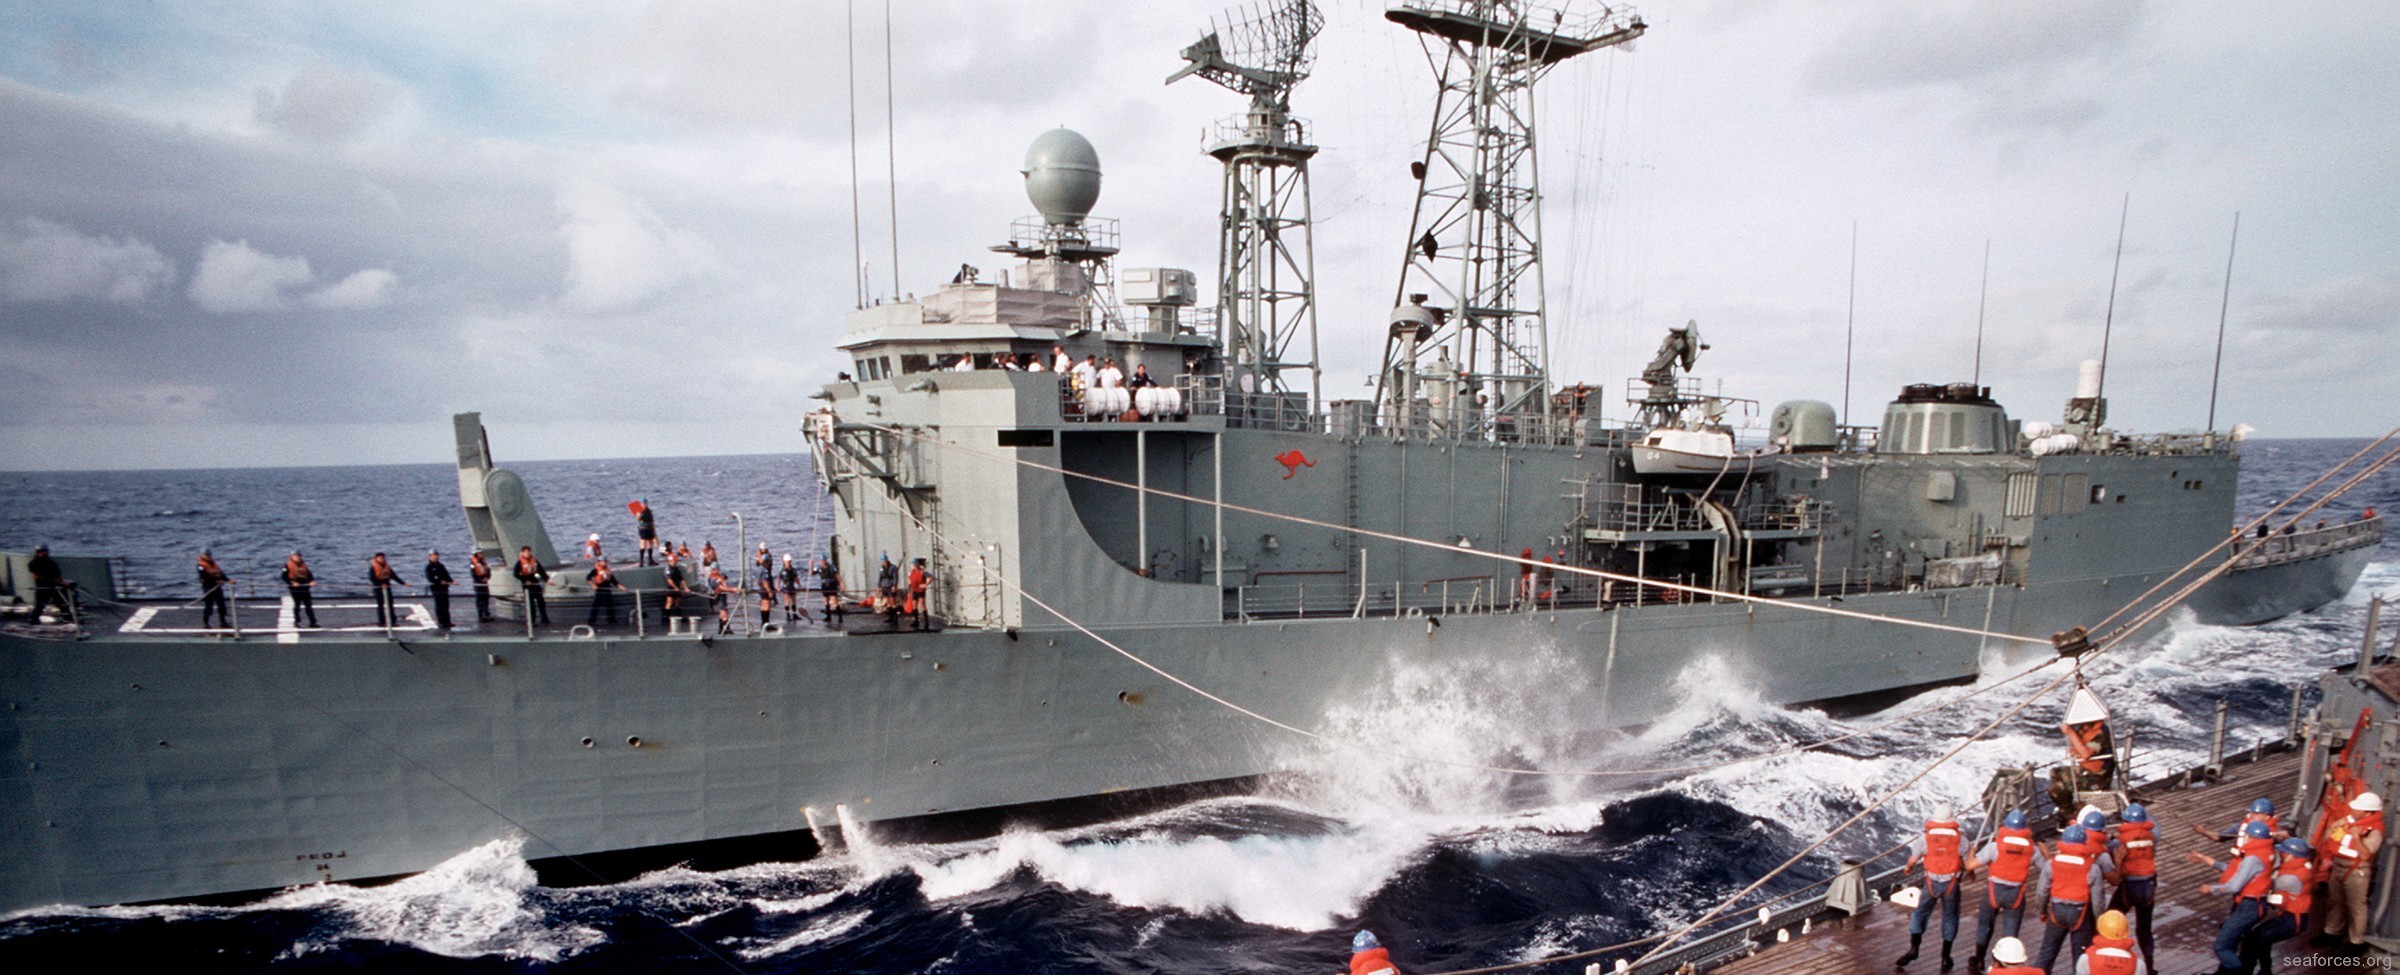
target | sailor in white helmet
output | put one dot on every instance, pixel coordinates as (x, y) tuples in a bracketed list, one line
[(2354, 841), (2091, 754), (2010, 953)]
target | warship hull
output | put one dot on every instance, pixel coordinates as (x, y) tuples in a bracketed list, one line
[(152, 760), (146, 769)]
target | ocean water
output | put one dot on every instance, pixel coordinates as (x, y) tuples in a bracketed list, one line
[(1452, 869)]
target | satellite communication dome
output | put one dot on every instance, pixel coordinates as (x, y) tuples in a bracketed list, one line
[(1062, 176)]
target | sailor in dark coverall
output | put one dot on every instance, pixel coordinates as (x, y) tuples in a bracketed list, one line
[(604, 593), (213, 583), (481, 572), (48, 583), (381, 574), (532, 577), (437, 579), (301, 582)]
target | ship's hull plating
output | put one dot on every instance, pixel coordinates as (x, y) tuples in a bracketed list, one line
[(144, 770)]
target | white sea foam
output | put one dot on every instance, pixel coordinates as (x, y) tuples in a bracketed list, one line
[(471, 905), (1299, 882), (816, 931)]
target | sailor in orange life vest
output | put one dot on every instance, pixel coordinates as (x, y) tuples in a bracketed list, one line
[(2092, 754), (1369, 957), (2288, 901), (2111, 952), (2078, 879), (2356, 840), (2262, 810), (2134, 844), (2010, 953), (2247, 877), (2009, 865), (1939, 850)]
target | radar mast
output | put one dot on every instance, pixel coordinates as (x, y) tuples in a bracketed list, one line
[(1266, 262), (1468, 338)]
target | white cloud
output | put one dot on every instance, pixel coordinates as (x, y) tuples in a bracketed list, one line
[(45, 261), (371, 288), (619, 252), (234, 277), (326, 103)]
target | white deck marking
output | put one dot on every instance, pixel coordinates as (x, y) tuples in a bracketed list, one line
[(415, 618)]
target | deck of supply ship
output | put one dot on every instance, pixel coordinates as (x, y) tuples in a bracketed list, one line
[(2186, 920)]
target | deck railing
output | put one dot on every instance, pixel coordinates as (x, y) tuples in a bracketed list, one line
[(2309, 543)]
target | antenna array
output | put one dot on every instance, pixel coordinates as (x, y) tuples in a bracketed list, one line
[(1469, 341), (1266, 250)]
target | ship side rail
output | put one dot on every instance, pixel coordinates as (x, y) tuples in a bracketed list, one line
[(1335, 593), (1208, 396), (2308, 543)]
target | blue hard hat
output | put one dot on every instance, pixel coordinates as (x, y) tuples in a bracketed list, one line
[(2134, 813), (2094, 820), (2071, 836), (2014, 820), (2295, 847), (1364, 941), (2262, 807), (2256, 830)]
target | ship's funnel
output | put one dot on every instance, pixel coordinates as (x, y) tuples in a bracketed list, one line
[(1062, 177)]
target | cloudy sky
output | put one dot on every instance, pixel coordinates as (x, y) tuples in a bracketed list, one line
[(265, 233)]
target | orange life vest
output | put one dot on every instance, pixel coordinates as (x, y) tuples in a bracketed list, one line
[(2303, 868), (2015, 970), (2112, 956), (2090, 740), (1941, 848), (2012, 855), (1373, 961), (2141, 849), (2259, 885), (2070, 874), (916, 579), (2352, 850)]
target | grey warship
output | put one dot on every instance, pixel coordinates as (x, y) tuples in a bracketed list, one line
[(1100, 554)]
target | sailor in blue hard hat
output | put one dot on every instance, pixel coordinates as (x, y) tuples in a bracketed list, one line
[(2262, 810), (2009, 866), (2248, 877), (1369, 957), (2134, 844), (2078, 881)]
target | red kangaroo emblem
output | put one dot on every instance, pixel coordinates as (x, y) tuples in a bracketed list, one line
[(1293, 460)]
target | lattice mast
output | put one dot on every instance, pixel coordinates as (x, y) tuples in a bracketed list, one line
[(1266, 260), (1468, 337)]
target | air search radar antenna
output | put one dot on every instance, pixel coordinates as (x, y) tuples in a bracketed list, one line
[(1469, 343), (1266, 259), (1064, 249)]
